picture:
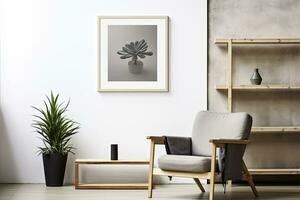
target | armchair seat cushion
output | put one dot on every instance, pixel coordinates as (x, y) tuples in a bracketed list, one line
[(184, 163)]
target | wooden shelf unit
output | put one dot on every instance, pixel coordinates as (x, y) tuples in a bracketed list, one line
[(229, 87)]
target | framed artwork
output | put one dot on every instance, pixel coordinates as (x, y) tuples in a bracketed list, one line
[(133, 53)]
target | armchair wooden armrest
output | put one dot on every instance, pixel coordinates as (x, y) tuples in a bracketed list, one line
[(229, 141), (157, 139), (222, 142)]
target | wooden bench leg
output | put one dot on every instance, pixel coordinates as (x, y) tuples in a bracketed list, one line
[(212, 173), (151, 165), (249, 178), (76, 170), (199, 184)]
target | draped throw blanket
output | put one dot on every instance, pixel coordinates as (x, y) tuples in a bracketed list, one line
[(178, 145), (230, 161)]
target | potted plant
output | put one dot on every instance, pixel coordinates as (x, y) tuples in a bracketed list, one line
[(55, 131), (135, 50)]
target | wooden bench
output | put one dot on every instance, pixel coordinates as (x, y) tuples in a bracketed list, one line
[(79, 185)]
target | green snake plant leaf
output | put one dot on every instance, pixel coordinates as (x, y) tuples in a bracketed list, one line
[(53, 127)]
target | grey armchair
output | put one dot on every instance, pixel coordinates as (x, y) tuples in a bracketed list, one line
[(212, 130)]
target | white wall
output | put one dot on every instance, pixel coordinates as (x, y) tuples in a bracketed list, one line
[(51, 45)]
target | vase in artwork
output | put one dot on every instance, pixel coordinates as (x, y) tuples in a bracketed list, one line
[(256, 78), (135, 67)]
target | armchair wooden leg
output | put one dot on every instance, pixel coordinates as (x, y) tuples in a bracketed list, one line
[(249, 178), (151, 165), (212, 173), (229, 185), (199, 184)]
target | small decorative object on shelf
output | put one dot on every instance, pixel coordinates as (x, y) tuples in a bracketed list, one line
[(114, 151), (256, 78)]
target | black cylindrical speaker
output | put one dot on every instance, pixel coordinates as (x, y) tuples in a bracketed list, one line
[(114, 152)]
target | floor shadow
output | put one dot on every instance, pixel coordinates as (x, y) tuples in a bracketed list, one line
[(8, 163)]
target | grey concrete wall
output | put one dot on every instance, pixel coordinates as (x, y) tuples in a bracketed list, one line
[(277, 64)]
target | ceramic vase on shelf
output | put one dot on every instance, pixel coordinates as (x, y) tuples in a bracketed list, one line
[(256, 78)]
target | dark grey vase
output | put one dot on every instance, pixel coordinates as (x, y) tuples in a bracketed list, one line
[(256, 78)]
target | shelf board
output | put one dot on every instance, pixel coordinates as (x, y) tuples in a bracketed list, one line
[(260, 41), (274, 171), (264, 87), (275, 129)]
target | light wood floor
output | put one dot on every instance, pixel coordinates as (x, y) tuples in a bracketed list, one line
[(165, 192)]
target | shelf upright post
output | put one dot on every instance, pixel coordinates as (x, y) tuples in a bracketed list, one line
[(229, 54)]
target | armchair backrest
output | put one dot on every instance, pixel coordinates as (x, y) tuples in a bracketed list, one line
[(218, 125)]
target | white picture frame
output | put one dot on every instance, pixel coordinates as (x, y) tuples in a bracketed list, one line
[(143, 66)]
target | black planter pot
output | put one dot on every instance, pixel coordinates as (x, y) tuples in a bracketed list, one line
[(54, 168)]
